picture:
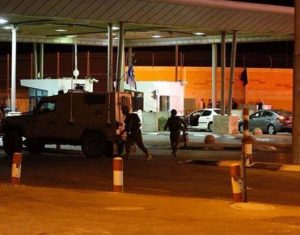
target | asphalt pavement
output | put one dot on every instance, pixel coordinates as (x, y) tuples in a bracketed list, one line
[(65, 193)]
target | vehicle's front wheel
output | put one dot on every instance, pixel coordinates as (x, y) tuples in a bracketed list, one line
[(12, 142), (93, 145), (34, 147), (271, 130)]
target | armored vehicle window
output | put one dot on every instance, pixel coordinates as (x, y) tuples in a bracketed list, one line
[(47, 107), (94, 99)]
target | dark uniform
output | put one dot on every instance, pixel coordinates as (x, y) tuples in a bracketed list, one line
[(175, 124), (134, 134)]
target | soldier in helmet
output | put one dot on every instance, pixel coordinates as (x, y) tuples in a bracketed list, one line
[(175, 124), (134, 134)]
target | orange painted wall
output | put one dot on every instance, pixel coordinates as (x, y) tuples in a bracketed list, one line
[(273, 86)]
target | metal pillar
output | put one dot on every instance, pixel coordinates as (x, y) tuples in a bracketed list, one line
[(109, 85), (76, 72), (214, 65), (176, 62), (35, 61), (88, 64), (296, 87), (119, 73), (41, 60), (13, 67), (223, 71), (129, 59), (232, 67), (58, 64)]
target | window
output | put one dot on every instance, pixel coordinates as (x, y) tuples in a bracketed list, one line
[(206, 113), (164, 103), (47, 107), (255, 115), (267, 114)]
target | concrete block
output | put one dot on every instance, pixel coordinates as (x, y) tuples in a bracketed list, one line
[(225, 124)]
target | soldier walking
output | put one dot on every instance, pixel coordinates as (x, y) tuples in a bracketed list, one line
[(134, 134), (175, 124)]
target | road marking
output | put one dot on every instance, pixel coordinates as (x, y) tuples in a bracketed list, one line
[(252, 206)]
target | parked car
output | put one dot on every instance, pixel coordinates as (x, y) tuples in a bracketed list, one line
[(202, 119), (270, 121)]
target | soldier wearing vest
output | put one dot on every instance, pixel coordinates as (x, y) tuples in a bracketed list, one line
[(175, 124), (134, 134)]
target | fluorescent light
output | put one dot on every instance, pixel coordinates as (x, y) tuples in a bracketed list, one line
[(3, 21), (60, 30), (156, 36), (115, 28), (199, 33), (7, 27), (71, 36)]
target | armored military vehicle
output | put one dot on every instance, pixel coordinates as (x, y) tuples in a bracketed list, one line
[(92, 120)]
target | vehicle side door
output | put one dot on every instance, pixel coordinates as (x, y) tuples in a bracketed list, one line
[(266, 119), (194, 119), (254, 120), (42, 123), (204, 119)]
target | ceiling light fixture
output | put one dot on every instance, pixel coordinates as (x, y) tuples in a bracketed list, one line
[(199, 33), (71, 36), (156, 36), (3, 21), (115, 28), (60, 30), (8, 27)]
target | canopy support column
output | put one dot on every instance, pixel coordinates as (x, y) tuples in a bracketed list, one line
[(214, 73), (223, 71), (120, 60), (232, 67), (13, 67)]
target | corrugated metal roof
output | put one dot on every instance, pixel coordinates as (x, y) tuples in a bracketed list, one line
[(170, 18)]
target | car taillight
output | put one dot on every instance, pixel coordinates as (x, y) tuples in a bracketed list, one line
[(280, 118)]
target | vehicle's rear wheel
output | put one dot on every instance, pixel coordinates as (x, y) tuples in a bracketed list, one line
[(34, 147), (271, 130), (12, 142), (209, 127), (93, 145)]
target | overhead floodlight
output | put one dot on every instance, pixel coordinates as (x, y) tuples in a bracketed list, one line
[(115, 28), (199, 33), (3, 21), (60, 30), (71, 36), (156, 36), (7, 27)]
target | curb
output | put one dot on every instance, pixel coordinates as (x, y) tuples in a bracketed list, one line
[(255, 165)]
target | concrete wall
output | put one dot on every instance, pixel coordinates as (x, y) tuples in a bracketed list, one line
[(150, 120), (174, 90), (273, 86)]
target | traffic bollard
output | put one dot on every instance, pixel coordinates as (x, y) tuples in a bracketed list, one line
[(118, 174), (236, 182), (16, 168)]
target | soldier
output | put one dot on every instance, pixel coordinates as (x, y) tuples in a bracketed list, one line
[(134, 134), (175, 124)]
